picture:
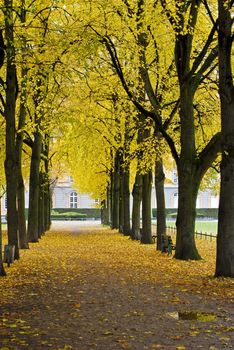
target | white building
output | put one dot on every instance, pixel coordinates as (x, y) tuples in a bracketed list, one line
[(65, 196)]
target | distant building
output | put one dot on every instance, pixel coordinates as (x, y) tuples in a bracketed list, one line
[(64, 195)]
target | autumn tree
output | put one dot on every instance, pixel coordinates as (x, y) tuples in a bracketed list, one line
[(10, 115), (194, 62), (225, 238)]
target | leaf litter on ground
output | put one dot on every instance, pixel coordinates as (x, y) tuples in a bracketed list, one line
[(122, 292)]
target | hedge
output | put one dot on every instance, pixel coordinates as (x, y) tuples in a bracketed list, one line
[(92, 213), (201, 212)]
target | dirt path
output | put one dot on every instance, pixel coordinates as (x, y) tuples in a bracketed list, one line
[(99, 290)]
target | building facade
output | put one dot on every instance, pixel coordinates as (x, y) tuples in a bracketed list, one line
[(64, 195)]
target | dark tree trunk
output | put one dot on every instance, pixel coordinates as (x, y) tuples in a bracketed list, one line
[(34, 188), (20, 181), (105, 209), (2, 270), (115, 194), (136, 207), (23, 241), (146, 233), (103, 212), (225, 239), (41, 202), (111, 196), (186, 215), (160, 200), (46, 187), (126, 201), (108, 204), (121, 189), (9, 112), (47, 205), (188, 183)]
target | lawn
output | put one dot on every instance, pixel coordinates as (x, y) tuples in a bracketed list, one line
[(201, 226)]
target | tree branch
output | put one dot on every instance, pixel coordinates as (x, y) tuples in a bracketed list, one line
[(209, 153), (198, 60), (153, 115)]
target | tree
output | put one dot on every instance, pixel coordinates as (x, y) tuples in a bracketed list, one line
[(225, 238), (194, 62), (22, 113), (10, 114), (2, 270)]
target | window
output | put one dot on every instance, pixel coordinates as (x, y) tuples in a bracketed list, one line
[(73, 200), (5, 202), (70, 179)]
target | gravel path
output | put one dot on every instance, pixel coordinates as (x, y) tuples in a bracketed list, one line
[(98, 290)]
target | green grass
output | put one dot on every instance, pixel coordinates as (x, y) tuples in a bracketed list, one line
[(201, 226)]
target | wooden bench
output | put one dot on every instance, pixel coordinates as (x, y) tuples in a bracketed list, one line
[(9, 253), (167, 245)]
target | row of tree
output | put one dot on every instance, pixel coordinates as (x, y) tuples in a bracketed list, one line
[(174, 62), (114, 89)]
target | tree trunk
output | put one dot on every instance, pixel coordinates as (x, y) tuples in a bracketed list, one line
[(108, 204), (225, 238), (34, 189), (186, 215), (136, 207), (188, 184), (121, 189), (20, 181), (9, 112), (115, 194), (41, 201), (2, 270), (105, 210), (160, 200), (23, 241), (126, 201), (47, 205), (146, 233), (46, 187)]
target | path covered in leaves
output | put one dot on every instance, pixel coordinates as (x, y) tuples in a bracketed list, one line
[(86, 288)]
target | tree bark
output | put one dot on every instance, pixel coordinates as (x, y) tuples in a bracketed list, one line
[(34, 188), (186, 215), (225, 238), (47, 205), (23, 241), (121, 189), (126, 201), (41, 202), (2, 270), (108, 204), (46, 187), (160, 200), (9, 112), (115, 194), (136, 207), (187, 176), (146, 232)]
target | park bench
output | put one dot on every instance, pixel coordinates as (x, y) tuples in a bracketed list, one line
[(167, 245), (9, 253)]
